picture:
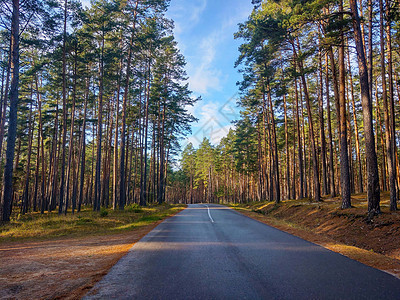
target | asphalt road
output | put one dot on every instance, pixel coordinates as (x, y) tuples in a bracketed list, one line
[(212, 252)]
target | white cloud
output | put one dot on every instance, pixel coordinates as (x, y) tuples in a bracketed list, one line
[(205, 76), (197, 11), (186, 14), (211, 123), (240, 15)]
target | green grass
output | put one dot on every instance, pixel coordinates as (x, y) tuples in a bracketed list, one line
[(34, 226)]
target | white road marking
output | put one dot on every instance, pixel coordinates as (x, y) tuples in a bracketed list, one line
[(209, 214)]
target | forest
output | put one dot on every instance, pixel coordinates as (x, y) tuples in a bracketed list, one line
[(93, 104), (94, 107), (320, 101)]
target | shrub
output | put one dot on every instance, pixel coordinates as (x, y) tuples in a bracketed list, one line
[(103, 212), (134, 207)]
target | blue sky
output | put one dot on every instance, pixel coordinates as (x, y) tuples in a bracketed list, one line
[(204, 30)]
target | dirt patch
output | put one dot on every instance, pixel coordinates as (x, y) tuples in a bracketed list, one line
[(63, 268), (373, 242)]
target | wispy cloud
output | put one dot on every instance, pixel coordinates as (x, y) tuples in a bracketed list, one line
[(204, 31), (197, 10), (186, 14), (204, 75), (213, 123)]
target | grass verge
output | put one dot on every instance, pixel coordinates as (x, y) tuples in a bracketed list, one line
[(36, 226)]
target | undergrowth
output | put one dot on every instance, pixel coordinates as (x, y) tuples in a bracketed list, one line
[(87, 222)]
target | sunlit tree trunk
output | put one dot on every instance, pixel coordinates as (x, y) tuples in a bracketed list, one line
[(317, 192), (356, 131), (373, 190), (322, 128), (25, 197), (65, 110), (12, 120), (344, 158), (300, 146), (122, 171), (391, 110)]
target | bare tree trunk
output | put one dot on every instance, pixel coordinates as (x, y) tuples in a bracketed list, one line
[(356, 131), (294, 159), (115, 163), (83, 148), (373, 190), (382, 142), (344, 158), (97, 184), (317, 192), (143, 195), (392, 124), (386, 114), (5, 95), (322, 129), (288, 192), (160, 196), (25, 197), (370, 46), (36, 186), (300, 146), (42, 190), (275, 145), (122, 189), (71, 137), (12, 121)]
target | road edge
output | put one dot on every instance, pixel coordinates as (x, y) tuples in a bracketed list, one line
[(378, 261)]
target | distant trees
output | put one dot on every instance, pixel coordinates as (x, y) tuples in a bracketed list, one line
[(95, 112), (300, 126)]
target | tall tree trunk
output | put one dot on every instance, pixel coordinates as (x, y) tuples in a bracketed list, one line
[(370, 48), (344, 158), (322, 128), (373, 190), (5, 95), (392, 124), (160, 196), (122, 188), (317, 191), (328, 109), (71, 137), (25, 197), (288, 191), (115, 163), (300, 146), (380, 135), (356, 131), (275, 150), (143, 195), (386, 113), (83, 148), (64, 104), (97, 184), (55, 161), (43, 179), (12, 121), (294, 158), (36, 186)]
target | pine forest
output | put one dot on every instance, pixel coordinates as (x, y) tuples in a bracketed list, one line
[(94, 107)]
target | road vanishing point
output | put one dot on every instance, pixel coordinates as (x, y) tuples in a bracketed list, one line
[(210, 251)]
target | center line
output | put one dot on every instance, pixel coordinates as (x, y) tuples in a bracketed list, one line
[(209, 214)]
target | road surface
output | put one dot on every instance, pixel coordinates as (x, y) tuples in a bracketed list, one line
[(212, 252)]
